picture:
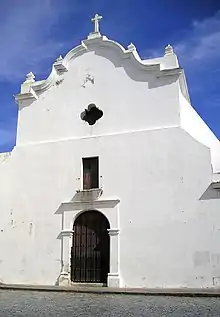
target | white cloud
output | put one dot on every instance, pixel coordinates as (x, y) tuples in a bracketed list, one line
[(26, 36), (28, 40), (202, 43), (198, 51)]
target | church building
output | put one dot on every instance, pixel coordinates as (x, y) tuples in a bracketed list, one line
[(114, 179)]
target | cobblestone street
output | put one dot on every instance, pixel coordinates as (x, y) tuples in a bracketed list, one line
[(28, 303)]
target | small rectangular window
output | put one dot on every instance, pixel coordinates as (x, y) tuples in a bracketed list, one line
[(90, 172)]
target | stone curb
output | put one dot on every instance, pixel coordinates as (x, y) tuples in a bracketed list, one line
[(206, 292)]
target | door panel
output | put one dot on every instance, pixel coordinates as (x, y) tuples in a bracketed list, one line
[(90, 249)]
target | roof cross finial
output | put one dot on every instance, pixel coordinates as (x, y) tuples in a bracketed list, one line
[(96, 20)]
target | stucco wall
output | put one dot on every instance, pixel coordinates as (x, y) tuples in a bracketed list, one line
[(192, 123), (169, 236), (130, 98), (161, 172)]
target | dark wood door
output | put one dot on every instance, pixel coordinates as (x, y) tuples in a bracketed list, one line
[(90, 249)]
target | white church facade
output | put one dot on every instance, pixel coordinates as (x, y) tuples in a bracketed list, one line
[(114, 179)]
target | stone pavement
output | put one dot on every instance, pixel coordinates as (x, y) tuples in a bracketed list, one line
[(68, 304)]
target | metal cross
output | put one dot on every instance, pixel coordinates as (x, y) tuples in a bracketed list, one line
[(96, 20)]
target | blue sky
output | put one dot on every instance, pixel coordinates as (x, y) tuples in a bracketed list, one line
[(34, 33)]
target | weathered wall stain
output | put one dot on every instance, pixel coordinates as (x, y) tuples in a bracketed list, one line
[(201, 258), (30, 228)]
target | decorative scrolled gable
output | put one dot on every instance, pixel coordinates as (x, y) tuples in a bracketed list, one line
[(164, 66)]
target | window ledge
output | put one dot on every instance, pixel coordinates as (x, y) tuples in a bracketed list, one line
[(88, 194)]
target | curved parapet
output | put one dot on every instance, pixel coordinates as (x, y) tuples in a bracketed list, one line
[(167, 65)]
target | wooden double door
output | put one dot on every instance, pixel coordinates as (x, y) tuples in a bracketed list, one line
[(90, 252)]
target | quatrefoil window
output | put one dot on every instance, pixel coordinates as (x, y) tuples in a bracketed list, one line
[(91, 114)]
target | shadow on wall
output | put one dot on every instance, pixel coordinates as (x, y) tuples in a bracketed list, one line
[(210, 193), (136, 71)]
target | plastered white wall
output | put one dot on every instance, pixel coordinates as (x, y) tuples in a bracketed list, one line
[(158, 166), (197, 128), (130, 98), (169, 229)]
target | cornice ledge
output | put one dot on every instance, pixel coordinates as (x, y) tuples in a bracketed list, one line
[(80, 205), (60, 66), (37, 87), (58, 69), (216, 181), (30, 95), (43, 85), (170, 72), (215, 185)]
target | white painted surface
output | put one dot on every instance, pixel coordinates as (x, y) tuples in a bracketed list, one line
[(196, 127), (130, 99), (151, 158)]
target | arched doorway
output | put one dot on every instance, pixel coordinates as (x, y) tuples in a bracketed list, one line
[(90, 249)]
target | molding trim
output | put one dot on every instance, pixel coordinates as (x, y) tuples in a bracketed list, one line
[(216, 185), (113, 231), (183, 86), (66, 232), (216, 181), (114, 280), (31, 95), (100, 135), (113, 274), (61, 65), (83, 205)]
